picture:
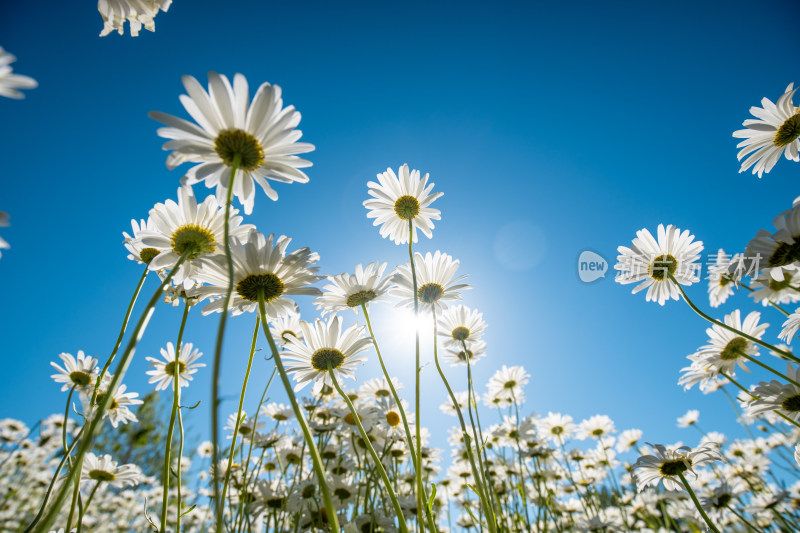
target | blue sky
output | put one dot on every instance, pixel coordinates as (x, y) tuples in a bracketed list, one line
[(550, 128)]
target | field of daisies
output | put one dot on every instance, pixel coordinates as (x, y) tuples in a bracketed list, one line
[(347, 451)]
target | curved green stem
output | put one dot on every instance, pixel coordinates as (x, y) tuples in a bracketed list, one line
[(176, 401), (239, 412), (417, 467), (375, 459), (219, 504), (91, 429), (766, 345), (319, 469), (708, 521)]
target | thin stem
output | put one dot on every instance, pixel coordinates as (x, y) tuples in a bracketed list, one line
[(417, 467), (239, 412), (319, 469), (219, 502), (86, 507), (743, 519), (766, 345), (176, 401), (90, 430), (375, 459), (708, 521), (418, 451)]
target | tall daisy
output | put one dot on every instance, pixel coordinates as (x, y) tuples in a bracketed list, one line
[(188, 227), (10, 82), (118, 410), (261, 265), (773, 132), (257, 137), (351, 291), (509, 382), (461, 324), (325, 344), (137, 12), (163, 372), (285, 327), (436, 283), (774, 396), (77, 372), (777, 254), (133, 243), (652, 263), (726, 348), (102, 469), (398, 201), (669, 463)]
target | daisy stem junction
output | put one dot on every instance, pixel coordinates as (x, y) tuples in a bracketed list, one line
[(239, 412), (97, 416), (480, 488), (708, 521), (417, 466), (176, 400), (378, 465), (218, 502), (766, 345), (319, 469)]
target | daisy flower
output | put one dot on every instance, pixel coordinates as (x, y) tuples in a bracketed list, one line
[(653, 262), (397, 200), (720, 283), (79, 372), (247, 427), (104, 470), (347, 291), (259, 137), (773, 132), (790, 327), (205, 449), (668, 463), (457, 356), (628, 439), (449, 408), (185, 226), (118, 410), (556, 427), (690, 418), (776, 253), (325, 344), (378, 388), (261, 265), (768, 290), (595, 427), (435, 282), (277, 411), (459, 324), (9, 83), (138, 251), (164, 371), (390, 419), (783, 398), (285, 327), (726, 348), (508, 382), (137, 12)]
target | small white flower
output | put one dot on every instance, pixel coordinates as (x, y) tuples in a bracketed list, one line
[(9, 82), (137, 12), (163, 372), (668, 463), (790, 327), (103, 470), (79, 373), (690, 418)]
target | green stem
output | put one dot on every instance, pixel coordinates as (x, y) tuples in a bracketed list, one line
[(708, 521), (319, 469), (743, 519), (375, 459), (219, 502), (480, 489), (417, 467), (239, 412), (723, 325), (417, 452), (97, 420), (86, 507), (176, 400)]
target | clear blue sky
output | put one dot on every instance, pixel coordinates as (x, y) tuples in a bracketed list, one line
[(551, 128)]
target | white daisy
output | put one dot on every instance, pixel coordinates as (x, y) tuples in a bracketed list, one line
[(776, 253), (397, 200), (455, 355), (378, 388), (185, 226), (773, 132), (79, 372), (790, 327), (247, 426), (260, 135), (653, 262), (628, 439), (668, 463), (205, 449), (720, 282), (449, 408), (103, 469), (727, 348), (690, 418), (772, 396), (261, 265), (351, 291), (137, 12), (138, 251), (9, 83), (595, 427), (118, 410), (285, 327), (435, 282), (277, 411), (508, 382), (325, 344), (459, 324), (164, 371), (767, 289), (556, 427)]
